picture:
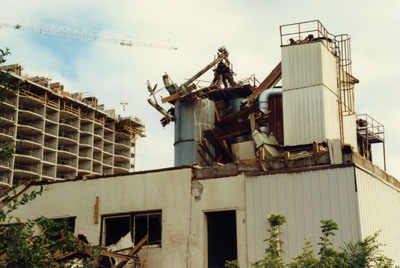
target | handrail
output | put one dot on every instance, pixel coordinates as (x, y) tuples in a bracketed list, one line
[(36, 139), (26, 167), (36, 154)]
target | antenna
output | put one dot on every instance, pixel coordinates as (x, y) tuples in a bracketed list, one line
[(123, 105)]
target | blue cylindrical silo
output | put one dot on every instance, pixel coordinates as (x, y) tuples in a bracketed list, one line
[(191, 118)]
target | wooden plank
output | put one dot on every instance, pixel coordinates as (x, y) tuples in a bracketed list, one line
[(134, 250), (172, 97), (96, 211), (203, 157), (271, 80)]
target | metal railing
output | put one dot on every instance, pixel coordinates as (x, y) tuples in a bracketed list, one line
[(51, 145), (33, 153), (67, 135), (52, 117), (7, 116), (52, 131), (5, 180), (36, 139), (5, 163), (34, 124), (7, 131), (65, 148), (122, 165), (66, 162), (49, 158), (65, 175), (68, 122), (36, 110), (123, 153), (24, 167), (49, 173)]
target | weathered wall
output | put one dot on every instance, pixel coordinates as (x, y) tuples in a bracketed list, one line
[(379, 210), (168, 190), (218, 195), (304, 198)]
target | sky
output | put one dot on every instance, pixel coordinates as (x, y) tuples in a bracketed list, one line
[(248, 29)]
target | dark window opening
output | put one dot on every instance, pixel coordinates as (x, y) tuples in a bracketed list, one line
[(221, 236), (70, 222), (138, 224), (116, 228)]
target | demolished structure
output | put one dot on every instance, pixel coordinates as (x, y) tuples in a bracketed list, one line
[(59, 135), (244, 151)]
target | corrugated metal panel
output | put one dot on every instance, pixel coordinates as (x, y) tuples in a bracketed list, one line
[(308, 65), (379, 210), (310, 114), (309, 84), (304, 198), (301, 66)]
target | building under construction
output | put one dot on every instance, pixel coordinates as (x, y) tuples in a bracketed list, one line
[(58, 135), (290, 145)]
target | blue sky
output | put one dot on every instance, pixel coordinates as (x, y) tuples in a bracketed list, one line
[(249, 30)]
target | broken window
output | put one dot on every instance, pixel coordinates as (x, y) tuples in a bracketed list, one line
[(137, 224)]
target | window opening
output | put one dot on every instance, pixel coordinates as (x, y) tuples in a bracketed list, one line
[(138, 224)]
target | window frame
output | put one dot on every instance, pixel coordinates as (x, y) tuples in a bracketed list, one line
[(132, 227)]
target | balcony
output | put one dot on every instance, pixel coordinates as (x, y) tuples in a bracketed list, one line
[(65, 175), (34, 126), (7, 118), (52, 117), (34, 112), (35, 154), (5, 181), (5, 164), (6, 133), (70, 150), (69, 124), (68, 137), (67, 163), (26, 139), (26, 168)]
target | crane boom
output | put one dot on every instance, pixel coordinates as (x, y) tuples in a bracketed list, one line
[(74, 32)]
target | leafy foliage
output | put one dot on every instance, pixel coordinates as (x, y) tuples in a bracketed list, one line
[(366, 253), (35, 243), (362, 254)]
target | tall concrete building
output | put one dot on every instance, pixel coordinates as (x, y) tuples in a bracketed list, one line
[(59, 136)]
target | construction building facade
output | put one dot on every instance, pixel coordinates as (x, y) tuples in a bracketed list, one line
[(58, 135)]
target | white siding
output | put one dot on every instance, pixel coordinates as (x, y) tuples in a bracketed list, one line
[(304, 198), (379, 210), (308, 65), (310, 114), (350, 130), (310, 107)]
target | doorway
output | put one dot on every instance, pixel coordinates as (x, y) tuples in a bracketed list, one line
[(221, 237)]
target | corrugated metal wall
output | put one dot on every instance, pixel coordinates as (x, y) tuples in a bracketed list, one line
[(379, 210), (310, 108), (304, 198)]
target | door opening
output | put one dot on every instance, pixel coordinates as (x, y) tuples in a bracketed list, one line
[(221, 237)]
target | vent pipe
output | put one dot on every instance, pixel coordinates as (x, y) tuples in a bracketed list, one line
[(263, 103)]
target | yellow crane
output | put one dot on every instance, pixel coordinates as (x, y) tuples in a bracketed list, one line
[(74, 32)]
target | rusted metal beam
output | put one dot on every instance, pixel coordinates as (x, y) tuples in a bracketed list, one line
[(271, 80)]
